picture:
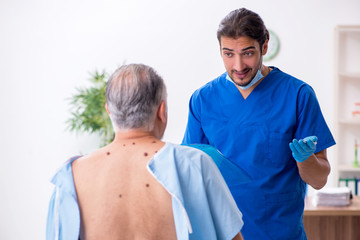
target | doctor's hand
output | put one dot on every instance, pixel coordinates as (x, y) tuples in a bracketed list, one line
[(302, 149)]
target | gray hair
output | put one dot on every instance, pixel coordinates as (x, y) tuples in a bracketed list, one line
[(133, 95)]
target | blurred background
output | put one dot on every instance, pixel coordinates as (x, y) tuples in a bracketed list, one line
[(49, 48)]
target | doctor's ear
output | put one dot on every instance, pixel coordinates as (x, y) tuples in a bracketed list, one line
[(265, 47)]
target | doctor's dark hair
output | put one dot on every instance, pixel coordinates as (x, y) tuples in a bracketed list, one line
[(243, 22), (133, 95)]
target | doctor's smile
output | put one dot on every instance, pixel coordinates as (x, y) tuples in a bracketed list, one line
[(241, 74)]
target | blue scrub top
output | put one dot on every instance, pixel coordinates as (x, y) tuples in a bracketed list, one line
[(255, 133)]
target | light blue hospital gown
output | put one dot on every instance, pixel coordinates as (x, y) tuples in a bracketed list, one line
[(203, 206)]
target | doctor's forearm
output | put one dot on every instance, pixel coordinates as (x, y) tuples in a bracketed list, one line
[(315, 170)]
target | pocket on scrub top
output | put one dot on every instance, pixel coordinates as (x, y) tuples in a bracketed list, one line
[(278, 147)]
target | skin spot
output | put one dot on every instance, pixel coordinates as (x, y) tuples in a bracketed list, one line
[(133, 143), (120, 195), (124, 145), (153, 141), (145, 154), (147, 185), (155, 151), (108, 153)]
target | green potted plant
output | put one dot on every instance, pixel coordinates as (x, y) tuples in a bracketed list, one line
[(88, 112)]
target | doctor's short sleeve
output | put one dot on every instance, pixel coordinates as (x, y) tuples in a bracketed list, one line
[(310, 120), (194, 132)]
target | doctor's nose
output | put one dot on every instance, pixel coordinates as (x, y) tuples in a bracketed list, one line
[(238, 63)]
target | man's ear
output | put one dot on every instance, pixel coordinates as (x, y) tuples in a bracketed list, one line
[(107, 108), (265, 47), (162, 112)]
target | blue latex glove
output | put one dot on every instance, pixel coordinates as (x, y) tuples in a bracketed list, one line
[(302, 149)]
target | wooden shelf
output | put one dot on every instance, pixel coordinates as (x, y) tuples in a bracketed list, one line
[(349, 75), (348, 28), (350, 121), (348, 168)]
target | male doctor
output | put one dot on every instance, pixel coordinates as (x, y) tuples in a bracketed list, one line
[(267, 122)]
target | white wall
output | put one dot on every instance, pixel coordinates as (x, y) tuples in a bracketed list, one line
[(47, 48)]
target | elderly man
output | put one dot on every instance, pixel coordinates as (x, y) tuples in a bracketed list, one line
[(139, 187)]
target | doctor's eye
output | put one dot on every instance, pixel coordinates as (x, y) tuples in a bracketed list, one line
[(248, 54), (228, 54)]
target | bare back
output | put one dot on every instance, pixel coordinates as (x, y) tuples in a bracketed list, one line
[(118, 197)]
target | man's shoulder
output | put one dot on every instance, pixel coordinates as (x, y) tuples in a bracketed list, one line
[(290, 82), (286, 76), (210, 87), (186, 156), (213, 83), (186, 152), (63, 176), (176, 163)]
